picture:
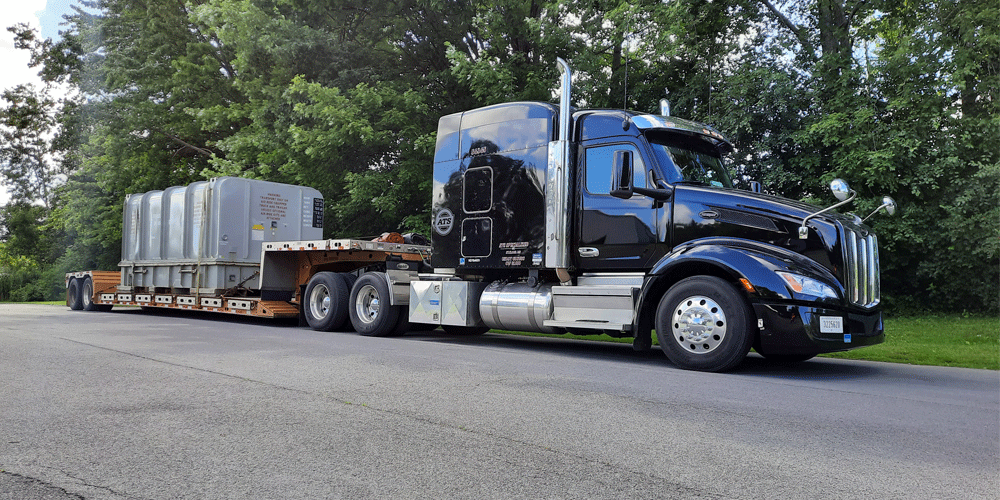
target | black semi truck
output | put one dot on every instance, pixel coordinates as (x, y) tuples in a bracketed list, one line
[(552, 219)]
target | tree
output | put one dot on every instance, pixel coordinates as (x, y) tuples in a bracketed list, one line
[(27, 123), (345, 96)]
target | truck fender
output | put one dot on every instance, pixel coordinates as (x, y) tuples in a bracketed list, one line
[(733, 259)]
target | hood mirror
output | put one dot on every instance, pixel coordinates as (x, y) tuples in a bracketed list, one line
[(888, 204), (840, 189)]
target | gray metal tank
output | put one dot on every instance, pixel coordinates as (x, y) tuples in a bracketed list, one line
[(206, 237)]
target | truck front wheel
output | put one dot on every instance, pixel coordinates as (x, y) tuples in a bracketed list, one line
[(326, 301), (703, 323), (371, 312)]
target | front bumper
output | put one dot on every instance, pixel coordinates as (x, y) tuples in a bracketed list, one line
[(798, 329)]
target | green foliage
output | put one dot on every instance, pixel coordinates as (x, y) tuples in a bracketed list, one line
[(344, 96), (19, 276), (26, 164)]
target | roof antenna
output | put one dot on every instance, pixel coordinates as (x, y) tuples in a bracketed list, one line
[(625, 54)]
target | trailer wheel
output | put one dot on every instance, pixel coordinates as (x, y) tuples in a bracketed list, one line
[(703, 323), (73, 295), (371, 313), (87, 295), (326, 303)]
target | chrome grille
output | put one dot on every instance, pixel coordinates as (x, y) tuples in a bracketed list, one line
[(862, 269)]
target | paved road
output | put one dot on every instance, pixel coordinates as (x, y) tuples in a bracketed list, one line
[(126, 405)]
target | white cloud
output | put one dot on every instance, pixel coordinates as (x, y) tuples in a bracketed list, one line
[(14, 61)]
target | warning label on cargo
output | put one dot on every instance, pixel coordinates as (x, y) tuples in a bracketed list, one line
[(273, 206)]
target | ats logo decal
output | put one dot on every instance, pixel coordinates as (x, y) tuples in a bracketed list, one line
[(444, 221)]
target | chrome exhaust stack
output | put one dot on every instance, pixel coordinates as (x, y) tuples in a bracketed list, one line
[(557, 185)]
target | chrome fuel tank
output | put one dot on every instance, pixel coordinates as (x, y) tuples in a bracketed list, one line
[(517, 307)]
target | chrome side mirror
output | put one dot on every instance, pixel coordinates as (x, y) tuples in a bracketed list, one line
[(840, 189), (621, 175), (888, 204)]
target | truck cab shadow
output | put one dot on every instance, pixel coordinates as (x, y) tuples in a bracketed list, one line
[(754, 364)]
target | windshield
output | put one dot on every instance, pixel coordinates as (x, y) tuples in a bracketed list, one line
[(689, 161)]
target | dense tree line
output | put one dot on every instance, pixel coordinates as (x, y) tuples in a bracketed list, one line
[(344, 96)]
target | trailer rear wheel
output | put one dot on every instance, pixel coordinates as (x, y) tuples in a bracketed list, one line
[(326, 301), (371, 312), (703, 323), (73, 296), (87, 297)]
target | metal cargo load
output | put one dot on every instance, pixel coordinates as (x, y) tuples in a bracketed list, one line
[(206, 237)]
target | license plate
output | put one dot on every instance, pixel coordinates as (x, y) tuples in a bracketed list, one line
[(831, 324)]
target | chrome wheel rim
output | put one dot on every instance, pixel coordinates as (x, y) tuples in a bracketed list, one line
[(699, 324), (367, 304), (88, 290), (319, 301)]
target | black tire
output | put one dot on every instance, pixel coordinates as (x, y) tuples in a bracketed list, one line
[(87, 295), (402, 323), (465, 330), (370, 309), (73, 295), (326, 301), (351, 279), (703, 323)]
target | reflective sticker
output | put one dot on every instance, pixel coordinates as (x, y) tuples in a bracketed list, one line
[(831, 324), (847, 338)]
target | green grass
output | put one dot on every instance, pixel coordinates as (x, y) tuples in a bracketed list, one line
[(44, 303), (968, 342)]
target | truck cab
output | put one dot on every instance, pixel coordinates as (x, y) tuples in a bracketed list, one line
[(555, 220)]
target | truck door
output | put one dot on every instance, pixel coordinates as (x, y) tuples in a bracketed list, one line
[(614, 234)]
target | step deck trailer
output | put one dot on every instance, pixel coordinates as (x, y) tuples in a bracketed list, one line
[(285, 270)]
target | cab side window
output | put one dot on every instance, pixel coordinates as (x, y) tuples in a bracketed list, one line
[(598, 167)]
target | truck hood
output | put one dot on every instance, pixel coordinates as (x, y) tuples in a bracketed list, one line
[(776, 208)]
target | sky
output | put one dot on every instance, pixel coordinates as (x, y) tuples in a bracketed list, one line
[(40, 14)]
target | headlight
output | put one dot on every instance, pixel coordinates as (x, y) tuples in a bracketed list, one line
[(807, 286)]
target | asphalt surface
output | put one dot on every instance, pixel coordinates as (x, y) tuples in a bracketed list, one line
[(132, 405)]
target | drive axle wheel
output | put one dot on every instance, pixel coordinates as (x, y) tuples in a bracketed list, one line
[(703, 323), (372, 314), (326, 301)]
